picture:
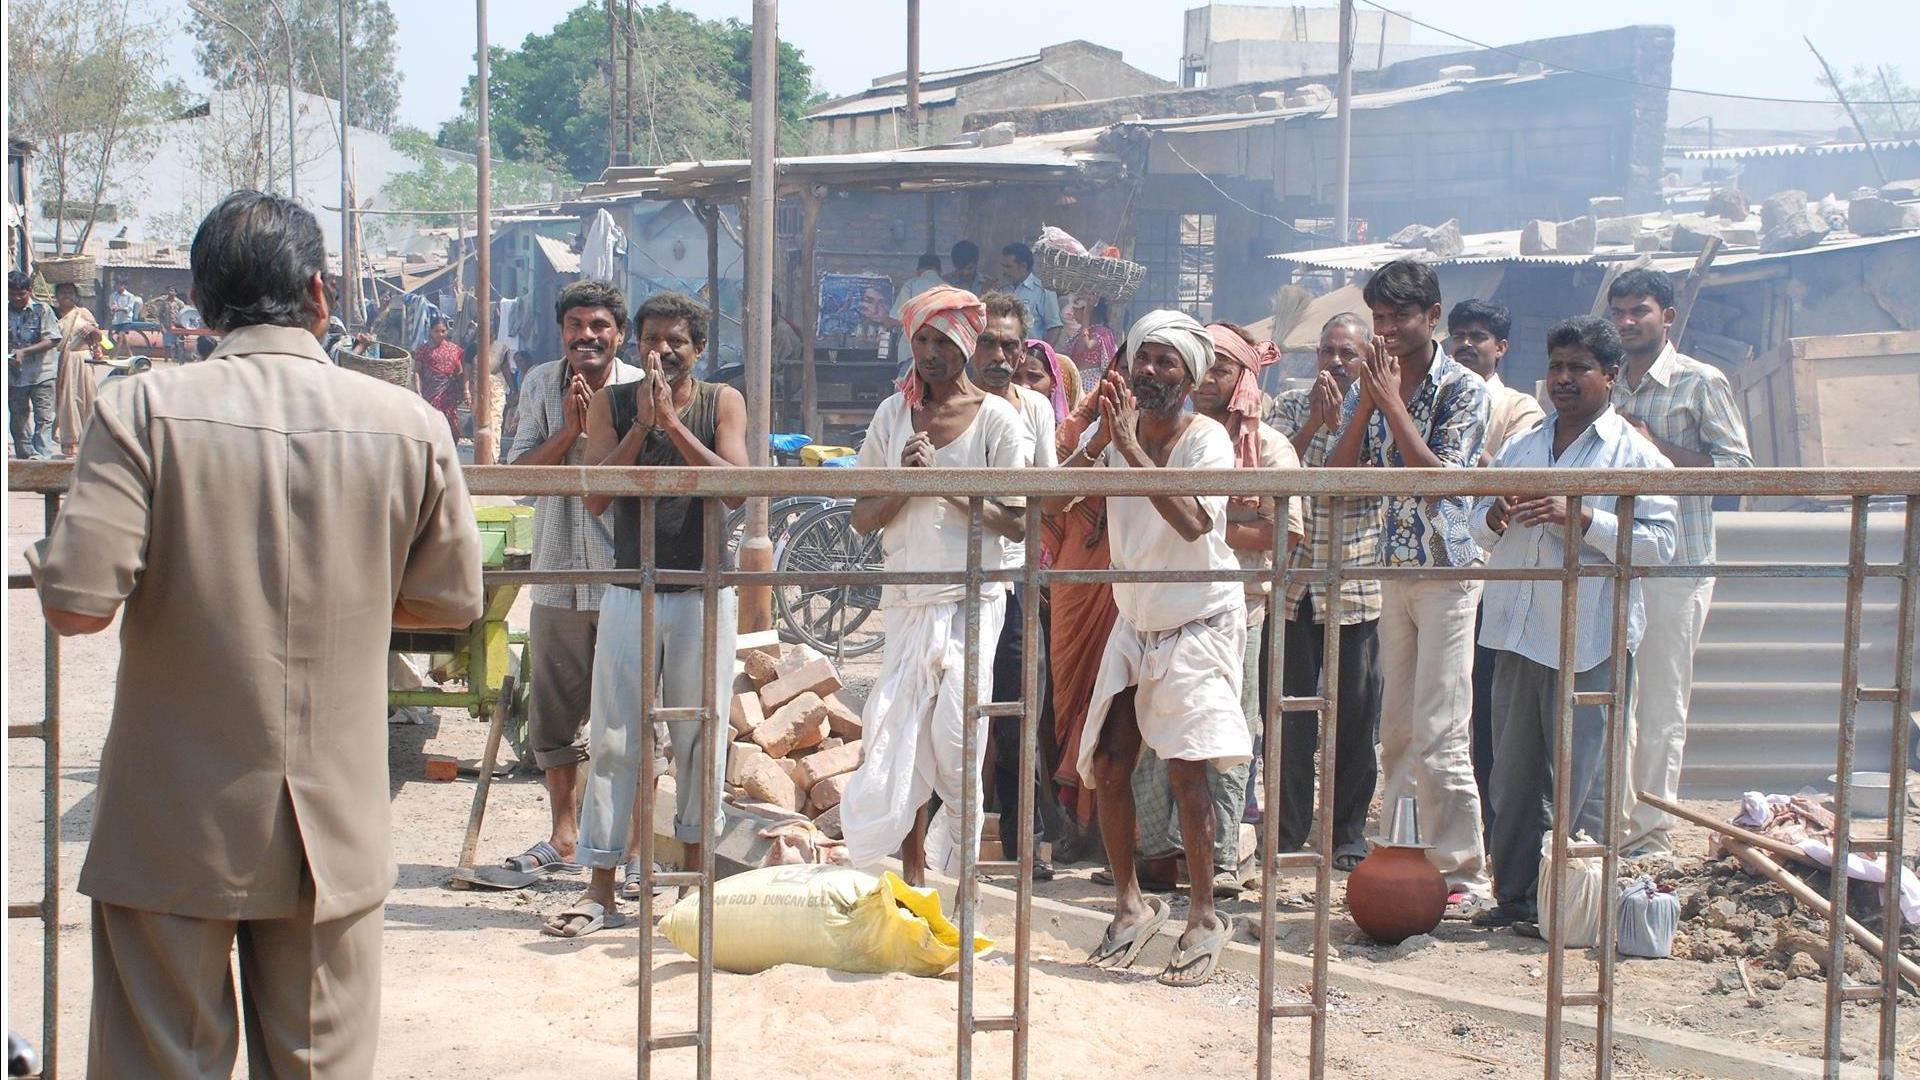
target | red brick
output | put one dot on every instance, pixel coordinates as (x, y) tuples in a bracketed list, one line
[(828, 822), (746, 713), (816, 676), (442, 767), (763, 780), (799, 723), (738, 755), (841, 719), (825, 763), (826, 794), (761, 668)]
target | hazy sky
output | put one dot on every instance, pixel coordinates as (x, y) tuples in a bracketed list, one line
[(1739, 46)]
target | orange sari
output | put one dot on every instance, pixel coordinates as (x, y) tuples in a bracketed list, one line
[(1082, 618)]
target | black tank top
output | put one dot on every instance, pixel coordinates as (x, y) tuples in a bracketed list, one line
[(679, 521)]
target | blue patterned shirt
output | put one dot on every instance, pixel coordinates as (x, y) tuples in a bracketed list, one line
[(1452, 407)]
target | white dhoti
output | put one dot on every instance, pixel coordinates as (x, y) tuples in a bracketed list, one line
[(912, 734), (1188, 683)]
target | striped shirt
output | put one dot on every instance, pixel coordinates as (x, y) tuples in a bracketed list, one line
[(565, 536), (1359, 526), (1689, 404)]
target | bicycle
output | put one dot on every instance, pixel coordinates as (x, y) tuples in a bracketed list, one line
[(835, 619)]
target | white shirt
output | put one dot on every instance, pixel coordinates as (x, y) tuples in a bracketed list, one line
[(915, 285), (1140, 539), (931, 533), (1037, 412), (1524, 616)]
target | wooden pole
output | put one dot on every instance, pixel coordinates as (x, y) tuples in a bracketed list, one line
[(810, 313), (349, 263), (1343, 131), (756, 551), (913, 71), (710, 216), (484, 437), (1866, 140), (1727, 829), (1690, 292), (1778, 874)]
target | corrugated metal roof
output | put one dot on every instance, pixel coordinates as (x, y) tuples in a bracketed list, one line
[(1741, 153), (989, 68), (862, 106), (563, 259), (1378, 99)]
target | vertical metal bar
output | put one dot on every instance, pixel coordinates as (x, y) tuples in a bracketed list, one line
[(1897, 785), (1330, 612), (1614, 743), (712, 731), (1031, 641), (643, 785), (1270, 726), (486, 438), (1572, 538), (50, 865), (964, 893), (1843, 795)]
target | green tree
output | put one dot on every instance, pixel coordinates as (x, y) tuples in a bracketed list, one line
[(440, 183), (690, 86), (238, 40), (1875, 93), (81, 85)]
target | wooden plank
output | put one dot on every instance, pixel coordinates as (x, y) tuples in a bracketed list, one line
[(1614, 270), (1696, 279), (1849, 346)]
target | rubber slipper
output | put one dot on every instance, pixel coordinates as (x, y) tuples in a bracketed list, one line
[(596, 918), (540, 857), (1195, 964), (1347, 861), (630, 884), (1117, 951)]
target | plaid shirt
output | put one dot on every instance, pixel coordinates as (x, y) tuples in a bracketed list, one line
[(1689, 404), (565, 536), (1452, 409), (1359, 526)]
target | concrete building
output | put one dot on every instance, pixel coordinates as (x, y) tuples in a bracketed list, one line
[(875, 119), (1229, 44)]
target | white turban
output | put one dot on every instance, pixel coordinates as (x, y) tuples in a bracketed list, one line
[(1179, 331)]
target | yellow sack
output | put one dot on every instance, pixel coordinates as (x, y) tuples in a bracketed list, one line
[(814, 455), (821, 916)]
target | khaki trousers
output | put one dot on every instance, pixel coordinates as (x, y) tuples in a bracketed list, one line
[(163, 1000), (1426, 721), (1663, 693)]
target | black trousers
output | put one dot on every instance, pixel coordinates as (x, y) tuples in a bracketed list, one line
[(1483, 659), (1356, 769), (1007, 661)]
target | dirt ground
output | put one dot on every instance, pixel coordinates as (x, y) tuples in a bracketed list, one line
[(471, 986)]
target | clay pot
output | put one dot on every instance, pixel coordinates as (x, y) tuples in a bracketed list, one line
[(1396, 893)]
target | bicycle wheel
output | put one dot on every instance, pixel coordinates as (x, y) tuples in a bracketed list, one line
[(836, 619), (781, 513)]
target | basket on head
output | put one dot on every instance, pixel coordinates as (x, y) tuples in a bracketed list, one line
[(65, 269), (1065, 271), (388, 363)]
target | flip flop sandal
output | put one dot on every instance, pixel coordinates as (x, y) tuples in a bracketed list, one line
[(596, 918), (1348, 861), (630, 884), (1119, 951), (1195, 964), (540, 857)]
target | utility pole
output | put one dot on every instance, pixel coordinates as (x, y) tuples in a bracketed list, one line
[(293, 141), (613, 91), (349, 263), (756, 551), (913, 71), (1343, 131), (1866, 140), (484, 451)]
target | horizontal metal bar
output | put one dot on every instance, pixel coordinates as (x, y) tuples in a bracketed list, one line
[(1590, 999), (1861, 993), (1004, 1022), (997, 866), (53, 477), (679, 713), (1592, 697), (1868, 844), (999, 708), (25, 911), (1293, 1010), (1586, 851), (1302, 704), (1297, 860), (677, 877), (26, 731), (19, 581), (1878, 693), (675, 1040)]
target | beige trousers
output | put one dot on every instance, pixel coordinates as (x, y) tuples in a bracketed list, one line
[(1426, 720), (1663, 673), (163, 995)]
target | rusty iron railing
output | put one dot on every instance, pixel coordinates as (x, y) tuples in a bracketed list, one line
[(1330, 485)]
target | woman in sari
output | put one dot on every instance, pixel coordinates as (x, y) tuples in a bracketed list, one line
[(1086, 338), (442, 370), (1081, 616)]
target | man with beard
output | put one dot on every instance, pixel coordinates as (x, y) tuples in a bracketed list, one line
[(666, 418), (565, 619), (1171, 678), (1414, 407), (913, 718), (1310, 417), (999, 351), (1686, 409), (1522, 624), (1478, 333)]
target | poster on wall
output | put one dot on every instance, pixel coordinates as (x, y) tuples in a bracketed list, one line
[(854, 307)]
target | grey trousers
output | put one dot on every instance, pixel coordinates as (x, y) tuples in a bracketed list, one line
[(1524, 729)]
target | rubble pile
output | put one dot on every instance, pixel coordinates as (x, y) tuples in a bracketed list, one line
[(1728, 914), (795, 742)]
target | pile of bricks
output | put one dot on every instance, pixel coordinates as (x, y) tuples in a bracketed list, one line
[(795, 742)]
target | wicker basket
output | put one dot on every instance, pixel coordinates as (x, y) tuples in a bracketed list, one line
[(66, 269), (1066, 272), (388, 363)]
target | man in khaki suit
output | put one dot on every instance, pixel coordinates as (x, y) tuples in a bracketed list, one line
[(266, 519)]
